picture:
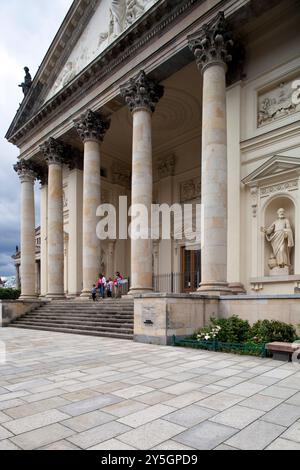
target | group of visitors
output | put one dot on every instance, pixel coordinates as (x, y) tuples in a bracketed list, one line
[(108, 287)]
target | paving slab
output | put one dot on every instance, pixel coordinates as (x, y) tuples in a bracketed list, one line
[(206, 436), (151, 434), (257, 436), (64, 392)]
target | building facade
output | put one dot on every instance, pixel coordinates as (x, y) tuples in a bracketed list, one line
[(182, 101)]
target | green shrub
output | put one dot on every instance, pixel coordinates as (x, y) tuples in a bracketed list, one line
[(9, 294), (227, 330), (233, 329), (268, 331)]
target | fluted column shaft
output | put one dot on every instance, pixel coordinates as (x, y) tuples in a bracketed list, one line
[(142, 95), (210, 47), (27, 269), (91, 128)]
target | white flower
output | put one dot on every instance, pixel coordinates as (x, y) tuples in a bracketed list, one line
[(207, 337)]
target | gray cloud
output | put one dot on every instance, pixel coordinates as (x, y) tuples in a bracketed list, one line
[(27, 30)]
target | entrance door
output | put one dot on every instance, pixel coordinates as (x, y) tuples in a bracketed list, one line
[(191, 269)]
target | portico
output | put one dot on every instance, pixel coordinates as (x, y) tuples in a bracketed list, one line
[(170, 121)]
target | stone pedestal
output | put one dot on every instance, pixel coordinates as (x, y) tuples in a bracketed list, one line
[(277, 271), (142, 94), (27, 178), (91, 128)]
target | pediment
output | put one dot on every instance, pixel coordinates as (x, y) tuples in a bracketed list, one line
[(90, 27), (276, 166), (111, 19)]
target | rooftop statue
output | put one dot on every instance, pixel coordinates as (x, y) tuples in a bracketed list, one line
[(26, 85)]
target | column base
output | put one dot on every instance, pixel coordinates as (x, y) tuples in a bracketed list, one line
[(85, 294), (139, 291), (56, 297), (237, 288), (28, 297), (214, 288)]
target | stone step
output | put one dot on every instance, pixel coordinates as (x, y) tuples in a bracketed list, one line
[(78, 326), (79, 323), (74, 331), (83, 310), (66, 317), (108, 318)]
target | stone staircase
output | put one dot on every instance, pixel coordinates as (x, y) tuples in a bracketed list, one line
[(108, 318)]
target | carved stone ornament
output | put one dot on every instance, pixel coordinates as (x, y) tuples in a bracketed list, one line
[(25, 171), (166, 166), (92, 126), (190, 190), (277, 103), (141, 92), (122, 14), (212, 43), (53, 151), (254, 200)]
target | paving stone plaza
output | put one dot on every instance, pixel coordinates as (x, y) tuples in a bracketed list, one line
[(108, 394)]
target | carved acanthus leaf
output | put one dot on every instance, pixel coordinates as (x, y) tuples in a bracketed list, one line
[(53, 151), (212, 43), (142, 92), (25, 170), (92, 126)]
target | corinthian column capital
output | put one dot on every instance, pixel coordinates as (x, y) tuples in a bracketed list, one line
[(25, 171), (142, 93), (92, 126), (53, 151), (212, 43)]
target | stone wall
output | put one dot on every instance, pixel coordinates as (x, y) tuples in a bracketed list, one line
[(10, 310), (157, 317), (254, 308)]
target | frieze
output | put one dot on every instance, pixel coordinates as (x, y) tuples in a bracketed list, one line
[(277, 103), (280, 187)]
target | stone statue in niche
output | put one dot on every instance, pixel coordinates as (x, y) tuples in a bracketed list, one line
[(280, 235)]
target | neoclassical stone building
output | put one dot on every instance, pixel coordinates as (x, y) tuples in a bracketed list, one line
[(168, 101)]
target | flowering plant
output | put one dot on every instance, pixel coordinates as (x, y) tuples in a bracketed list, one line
[(209, 333)]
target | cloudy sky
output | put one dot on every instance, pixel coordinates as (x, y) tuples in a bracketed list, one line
[(27, 28)]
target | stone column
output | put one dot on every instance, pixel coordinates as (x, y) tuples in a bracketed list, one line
[(18, 282), (211, 49), (53, 152), (75, 192), (44, 237), (27, 178), (91, 128), (142, 94)]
